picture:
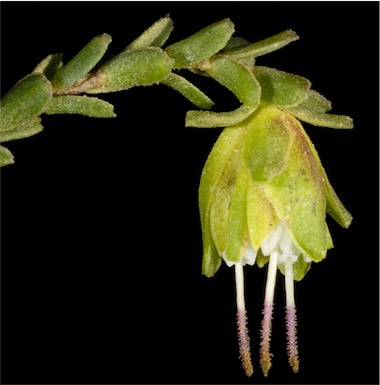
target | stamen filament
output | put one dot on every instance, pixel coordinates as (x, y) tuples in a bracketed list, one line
[(291, 318), (266, 326), (243, 336)]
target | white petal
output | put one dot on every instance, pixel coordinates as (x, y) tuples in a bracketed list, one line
[(249, 256)]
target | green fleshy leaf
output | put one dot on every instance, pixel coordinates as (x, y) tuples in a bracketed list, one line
[(27, 99), (6, 157), (188, 90), (222, 201), (237, 228), (216, 162), (134, 68), (316, 102), (202, 45), (83, 105), (321, 119), (299, 195), (267, 145), (237, 78), (261, 215), (211, 119), (49, 66), (82, 63), (156, 35), (235, 42), (335, 207), (280, 88), (24, 130), (265, 46)]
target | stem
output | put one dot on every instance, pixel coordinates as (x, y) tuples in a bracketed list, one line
[(266, 326), (291, 318), (243, 336)]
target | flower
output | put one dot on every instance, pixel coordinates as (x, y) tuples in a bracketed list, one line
[(263, 200)]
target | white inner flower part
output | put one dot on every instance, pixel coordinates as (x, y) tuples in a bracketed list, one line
[(248, 258), (280, 242)]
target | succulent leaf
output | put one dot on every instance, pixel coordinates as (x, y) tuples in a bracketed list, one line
[(49, 66), (201, 45), (321, 119), (24, 130), (237, 78), (6, 157), (213, 119), (133, 68), (155, 36), (83, 62), (280, 88), (27, 99), (265, 46), (83, 105), (188, 90)]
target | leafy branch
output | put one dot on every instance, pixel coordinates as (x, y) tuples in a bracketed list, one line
[(57, 88)]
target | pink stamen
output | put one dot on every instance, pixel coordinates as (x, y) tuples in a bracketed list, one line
[(244, 349), (291, 332), (266, 328)]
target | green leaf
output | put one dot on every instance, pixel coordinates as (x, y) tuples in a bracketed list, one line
[(202, 45), (218, 119), (235, 42), (237, 229), (280, 88), (24, 130), (321, 119), (263, 47), (134, 68), (27, 99), (188, 90), (316, 102), (156, 35), (267, 144), (49, 66), (261, 216), (335, 207), (222, 201), (299, 195), (82, 63), (6, 157), (237, 78), (216, 162), (83, 105)]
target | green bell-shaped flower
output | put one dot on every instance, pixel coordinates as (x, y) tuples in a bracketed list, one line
[(263, 199)]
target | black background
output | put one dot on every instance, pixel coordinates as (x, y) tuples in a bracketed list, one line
[(101, 243)]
